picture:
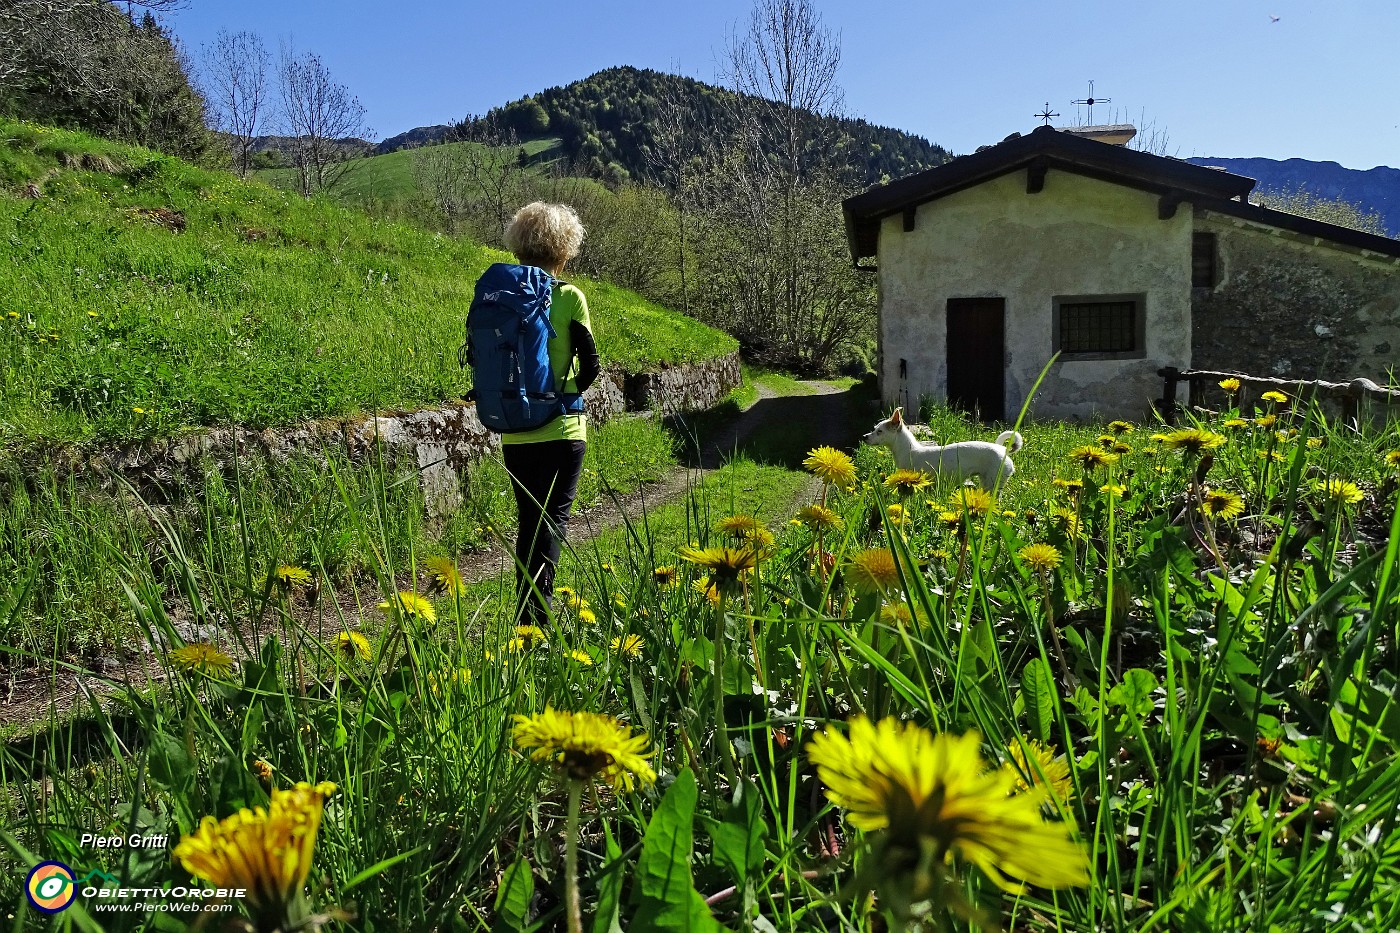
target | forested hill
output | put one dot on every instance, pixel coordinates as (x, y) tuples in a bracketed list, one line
[(607, 122)]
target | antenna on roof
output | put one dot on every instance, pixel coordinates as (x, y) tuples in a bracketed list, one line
[(1046, 115), (1091, 100)]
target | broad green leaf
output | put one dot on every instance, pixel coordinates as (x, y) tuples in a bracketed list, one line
[(738, 840), (1134, 694), (1037, 687), (170, 763), (513, 897), (667, 901)]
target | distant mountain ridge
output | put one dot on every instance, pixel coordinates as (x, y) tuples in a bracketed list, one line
[(1376, 189), (606, 126)]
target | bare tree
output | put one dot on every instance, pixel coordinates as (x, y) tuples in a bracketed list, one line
[(235, 70), (477, 179), (769, 243), (325, 120)]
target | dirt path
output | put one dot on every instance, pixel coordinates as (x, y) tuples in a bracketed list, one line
[(828, 414), (774, 429)]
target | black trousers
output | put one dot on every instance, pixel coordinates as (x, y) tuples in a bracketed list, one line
[(544, 477)]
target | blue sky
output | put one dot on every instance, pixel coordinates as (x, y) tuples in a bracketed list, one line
[(1218, 77)]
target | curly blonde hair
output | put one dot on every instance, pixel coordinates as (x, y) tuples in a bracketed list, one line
[(544, 235)]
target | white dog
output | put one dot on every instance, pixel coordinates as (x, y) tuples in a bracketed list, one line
[(958, 461)]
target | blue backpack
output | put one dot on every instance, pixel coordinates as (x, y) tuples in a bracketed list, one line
[(508, 334)]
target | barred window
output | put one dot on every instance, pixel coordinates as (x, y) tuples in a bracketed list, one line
[(1203, 260), (1099, 327)]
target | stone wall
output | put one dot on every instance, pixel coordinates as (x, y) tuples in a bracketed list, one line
[(440, 443), (1296, 308), (685, 387)]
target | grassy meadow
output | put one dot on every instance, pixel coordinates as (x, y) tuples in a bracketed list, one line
[(1153, 677), (146, 297), (388, 179)]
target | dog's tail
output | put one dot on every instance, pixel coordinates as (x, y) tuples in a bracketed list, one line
[(1011, 440)]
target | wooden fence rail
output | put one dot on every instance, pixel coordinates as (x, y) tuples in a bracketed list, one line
[(1347, 395)]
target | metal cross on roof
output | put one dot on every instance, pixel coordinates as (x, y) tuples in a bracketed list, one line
[(1091, 100), (1046, 115)]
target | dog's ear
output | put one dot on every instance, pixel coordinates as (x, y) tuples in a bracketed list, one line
[(898, 416)]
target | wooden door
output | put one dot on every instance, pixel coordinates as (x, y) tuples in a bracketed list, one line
[(977, 356)]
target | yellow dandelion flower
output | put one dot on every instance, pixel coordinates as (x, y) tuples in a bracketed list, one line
[(290, 575), (1072, 486), (460, 677), (741, 526), (974, 500), (726, 565), (819, 516), (582, 657), (1114, 490), (1091, 457), (1221, 503), (1041, 558), (530, 635), (352, 645), (873, 571), (1276, 397), (1273, 455), (1067, 521), (1392, 459), (831, 466), (411, 604), (1339, 490), (949, 518), (664, 577), (1234, 423), (572, 601), (587, 616), (584, 746), (1315, 443), (896, 516), (919, 789), (445, 577), (629, 646), (265, 851), (1192, 441), (201, 657), (896, 614), (1105, 441), (905, 482), (263, 771), (1266, 421), (1037, 766), (708, 589), (1121, 427), (1230, 385), (1121, 448)]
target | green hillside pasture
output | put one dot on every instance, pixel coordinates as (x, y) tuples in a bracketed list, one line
[(266, 310), (389, 178)]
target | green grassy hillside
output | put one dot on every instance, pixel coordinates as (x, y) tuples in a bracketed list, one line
[(388, 178), (145, 296)]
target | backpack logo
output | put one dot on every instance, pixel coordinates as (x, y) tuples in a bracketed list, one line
[(507, 348)]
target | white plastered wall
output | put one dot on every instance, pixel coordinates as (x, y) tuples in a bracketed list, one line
[(1077, 236)]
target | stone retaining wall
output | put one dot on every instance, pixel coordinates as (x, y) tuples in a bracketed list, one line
[(441, 443), (686, 387)]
